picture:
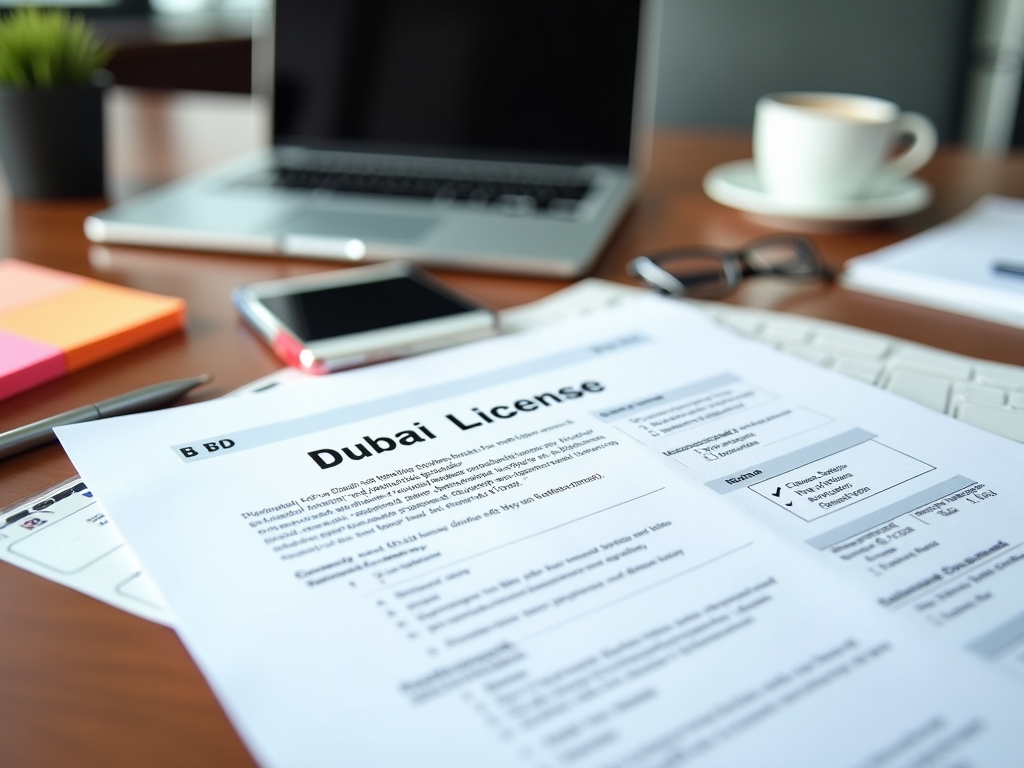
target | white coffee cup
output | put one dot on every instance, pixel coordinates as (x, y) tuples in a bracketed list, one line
[(811, 147)]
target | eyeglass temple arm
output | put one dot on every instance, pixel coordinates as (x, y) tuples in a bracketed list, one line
[(655, 276)]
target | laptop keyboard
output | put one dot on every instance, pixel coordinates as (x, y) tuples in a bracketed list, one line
[(979, 392), (516, 193)]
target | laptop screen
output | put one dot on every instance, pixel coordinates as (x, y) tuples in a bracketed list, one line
[(528, 80)]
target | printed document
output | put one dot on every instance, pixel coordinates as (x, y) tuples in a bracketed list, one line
[(64, 535), (632, 540)]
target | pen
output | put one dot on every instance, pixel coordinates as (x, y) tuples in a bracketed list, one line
[(1009, 268), (147, 398)]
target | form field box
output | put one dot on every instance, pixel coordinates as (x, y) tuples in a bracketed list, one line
[(834, 482), (71, 543)]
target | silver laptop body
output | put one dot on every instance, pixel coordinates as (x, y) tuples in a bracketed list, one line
[(521, 163)]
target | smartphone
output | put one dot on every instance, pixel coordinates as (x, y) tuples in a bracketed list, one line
[(335, 320)]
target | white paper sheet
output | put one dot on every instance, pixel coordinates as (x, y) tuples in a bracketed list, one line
[(64, 535), (954, 266), (485, 557)]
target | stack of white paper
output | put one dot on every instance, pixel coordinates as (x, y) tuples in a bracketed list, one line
[(972, 264)]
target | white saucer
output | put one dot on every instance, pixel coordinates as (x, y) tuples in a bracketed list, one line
[(736, 185)]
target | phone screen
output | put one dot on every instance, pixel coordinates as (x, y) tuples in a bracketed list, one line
[(339, 310)]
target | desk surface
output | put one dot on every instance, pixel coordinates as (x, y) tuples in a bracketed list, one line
[(85, 684)]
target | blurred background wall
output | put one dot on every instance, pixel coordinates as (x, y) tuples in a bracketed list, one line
[(718, 56)]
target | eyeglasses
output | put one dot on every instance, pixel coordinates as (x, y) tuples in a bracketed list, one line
[(707, 273)]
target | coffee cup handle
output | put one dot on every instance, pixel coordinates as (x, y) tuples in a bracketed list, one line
[(925, 141)]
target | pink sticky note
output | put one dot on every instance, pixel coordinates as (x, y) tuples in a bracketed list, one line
[(22, 283), (25, 364)]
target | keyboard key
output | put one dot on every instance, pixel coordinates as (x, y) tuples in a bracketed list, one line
[(935, 362), (784, 332), (517, 204), (1006, 376), (921, 388), (747, 325), (1000, 421), (817, 356), (977, 393), (1017, 400), (852, 343), (865, 370)]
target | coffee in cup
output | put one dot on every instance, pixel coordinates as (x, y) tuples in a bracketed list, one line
[(810, 147)]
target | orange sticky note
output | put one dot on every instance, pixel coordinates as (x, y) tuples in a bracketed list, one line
[(52, 322), (95, 321)]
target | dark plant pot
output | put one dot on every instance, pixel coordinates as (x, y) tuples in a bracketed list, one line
[(51, 140)]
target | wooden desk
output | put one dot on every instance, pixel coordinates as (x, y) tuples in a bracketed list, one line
[(83, 684)]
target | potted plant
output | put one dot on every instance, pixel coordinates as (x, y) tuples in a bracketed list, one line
[(51, 104)]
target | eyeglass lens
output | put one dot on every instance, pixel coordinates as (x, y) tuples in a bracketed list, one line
[(781, 255)]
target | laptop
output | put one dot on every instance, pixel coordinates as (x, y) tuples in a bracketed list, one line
[(486, 135)]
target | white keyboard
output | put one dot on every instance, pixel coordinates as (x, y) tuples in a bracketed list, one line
[(979, 392)]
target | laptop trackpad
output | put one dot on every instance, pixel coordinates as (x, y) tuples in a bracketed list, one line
[(373, 227)]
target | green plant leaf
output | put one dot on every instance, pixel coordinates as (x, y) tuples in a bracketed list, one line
[(46, 48)]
